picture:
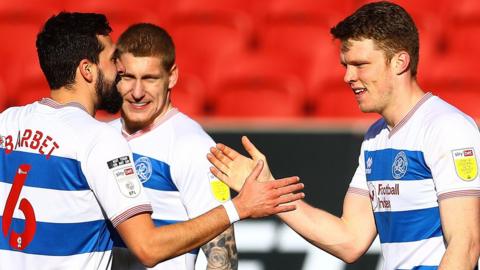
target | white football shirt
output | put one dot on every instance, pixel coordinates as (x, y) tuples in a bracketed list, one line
[(170, 158), (63, 175), (431, 155)]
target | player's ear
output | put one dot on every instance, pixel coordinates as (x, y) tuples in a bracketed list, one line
[(173, 77), (86, 69), (401, 62)]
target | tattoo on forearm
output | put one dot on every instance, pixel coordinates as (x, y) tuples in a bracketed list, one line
[(221, 252)]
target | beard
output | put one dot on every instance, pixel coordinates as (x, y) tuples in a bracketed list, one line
[(109, 99)]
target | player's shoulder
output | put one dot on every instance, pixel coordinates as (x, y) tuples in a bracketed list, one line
[(439, 113), (86, 128), (188, 134), (116, 123), (17, 111), (185, 128)]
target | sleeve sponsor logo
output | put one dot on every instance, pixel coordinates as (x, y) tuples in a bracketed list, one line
[(2, 140), (127, 181), (118, 162), (465, 163), (373, 196), (220, 191)]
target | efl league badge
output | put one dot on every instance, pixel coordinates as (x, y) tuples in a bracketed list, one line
[(400, 165), (220, 191), (127, 181), (465, 163)]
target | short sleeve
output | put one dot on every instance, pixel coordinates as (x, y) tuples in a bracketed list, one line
[(200, 191), (358, 184), (452, 153), (111, 174)]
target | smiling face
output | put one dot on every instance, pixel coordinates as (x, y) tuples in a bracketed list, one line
[(369, 74), (145, 88)]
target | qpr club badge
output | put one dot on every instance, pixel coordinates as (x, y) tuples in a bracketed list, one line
[(400, 165), (144, 169)]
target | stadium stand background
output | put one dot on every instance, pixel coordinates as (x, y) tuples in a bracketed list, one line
[(267, 68)]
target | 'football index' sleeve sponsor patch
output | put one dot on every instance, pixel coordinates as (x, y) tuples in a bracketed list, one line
[(220, 191), (118, 162), (465, 163)]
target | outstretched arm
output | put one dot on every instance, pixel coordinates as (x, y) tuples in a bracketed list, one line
[(347, 237), (153, 244)]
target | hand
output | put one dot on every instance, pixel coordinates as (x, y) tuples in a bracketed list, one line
[(233, 168), (259, 199)]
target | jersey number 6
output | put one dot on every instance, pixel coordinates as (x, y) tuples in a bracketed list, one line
[(19, 241)]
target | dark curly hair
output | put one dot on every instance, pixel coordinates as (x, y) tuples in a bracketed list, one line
[(65, 40), (387, 24)]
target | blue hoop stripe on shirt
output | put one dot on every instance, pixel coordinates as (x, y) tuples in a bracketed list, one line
[(63, 239), (408, 226), (58, 173), (161, 178), (382, 161)]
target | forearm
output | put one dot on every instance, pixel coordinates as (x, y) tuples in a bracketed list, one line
[(461, 254), (185, 236), (152, 245), (330, 233), (221, 252)]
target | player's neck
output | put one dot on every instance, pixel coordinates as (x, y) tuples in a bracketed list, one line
[(405, 99), (72, 94)]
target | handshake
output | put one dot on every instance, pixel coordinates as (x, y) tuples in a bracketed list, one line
[(259, 193)]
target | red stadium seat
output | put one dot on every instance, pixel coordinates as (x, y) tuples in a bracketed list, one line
[(258, 86), (211, 6), (20, 57), (465, 11), (36, 12), (189, 95), (205, 34), (123, 13), (18, 43), (3, 97), (32, 86), (420, 8), (306, 46), (326, 12), (457, 65)]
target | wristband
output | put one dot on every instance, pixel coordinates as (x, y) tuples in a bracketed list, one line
[(231, 211)]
